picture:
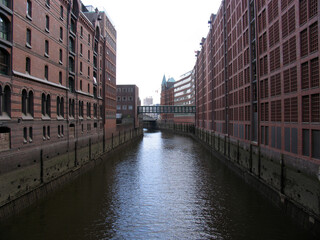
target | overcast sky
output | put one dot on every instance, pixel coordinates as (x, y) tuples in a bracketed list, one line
[(156, 37)]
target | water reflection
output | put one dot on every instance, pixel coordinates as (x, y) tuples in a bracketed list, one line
[(164, 187)]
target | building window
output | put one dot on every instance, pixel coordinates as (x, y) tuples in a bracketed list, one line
[(60, 77), (71, 65), (71, 84), (88, 72), (73, 26), (81, 32), (48, 132), (28, 65), (48, 3), (88, 88), (130, 107), (89, 39), (60, 56), (81, 67), (80, 108), (60, 107), (29, 9), (46, 48), (124, 107), (30, 134), (25, 134), (5, 101), (95, 92), (71, 107), (30, 104), (45, 105), (46, 72), (61, 12), (24, 101), (88, 55), (28, 37), (61, 34), (4, 62), (71, 45), (4, 28), (88, 109), (95, 110), (27, 103), (47, 23), (44, 132)]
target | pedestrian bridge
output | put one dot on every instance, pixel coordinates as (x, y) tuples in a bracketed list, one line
[(166, 109)]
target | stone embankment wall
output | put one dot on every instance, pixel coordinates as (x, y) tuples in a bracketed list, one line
[(30, 174), (290, 183)]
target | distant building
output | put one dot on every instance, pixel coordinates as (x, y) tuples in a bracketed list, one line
[(148, 101), (167, 92), (127, 103), (184, 95)]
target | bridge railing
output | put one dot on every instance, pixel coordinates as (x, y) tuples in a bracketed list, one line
[(166, 109)]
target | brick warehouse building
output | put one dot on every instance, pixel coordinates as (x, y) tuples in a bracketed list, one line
[(257, 98), (58, 80), (257, 75), (167, 97), (127, 103)]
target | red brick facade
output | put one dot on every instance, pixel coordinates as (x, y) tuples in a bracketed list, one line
[(167, 98), (127, 104), (57, 78), (257, 75)]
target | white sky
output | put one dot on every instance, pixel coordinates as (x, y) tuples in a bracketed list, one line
[(156, 37)]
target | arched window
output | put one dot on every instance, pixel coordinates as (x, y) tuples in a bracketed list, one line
[(5, 101), (46, 47), (48, 105), (60, 77), (24, 102), (71, 84), (95, 110), (61, 12), (73, 106), (28, 37), (71, 44), (46, 72), (28, 65), (58, 106), (4, 62), (60, 56), (47, 23), (71, 64), (43, 104), (30, 103), (29, 8), (61, 107), (4, 28)]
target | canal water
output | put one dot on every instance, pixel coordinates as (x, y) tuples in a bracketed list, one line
[(162, 187)]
